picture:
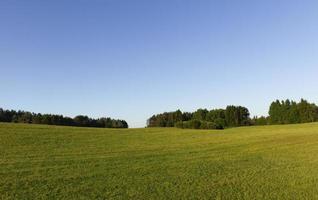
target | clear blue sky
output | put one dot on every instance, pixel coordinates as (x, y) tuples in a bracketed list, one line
[(130, 59)]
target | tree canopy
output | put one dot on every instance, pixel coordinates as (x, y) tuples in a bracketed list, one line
[(232, 116), (280, 112), (291, 112), (50, 119)]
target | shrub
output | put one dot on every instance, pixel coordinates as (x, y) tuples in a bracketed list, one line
[(195, 124), (179, 124), (211, 125), (204, 125), (219, 123)]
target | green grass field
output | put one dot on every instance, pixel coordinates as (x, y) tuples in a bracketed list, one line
[(49, 162)]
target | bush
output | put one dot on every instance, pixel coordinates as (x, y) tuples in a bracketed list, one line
[(197, 124), (204, 125), (260, 121), (179, 124), (211, 125), (219, 123), (192, 124)]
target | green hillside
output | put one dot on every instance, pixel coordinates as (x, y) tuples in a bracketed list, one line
[(50, 162)]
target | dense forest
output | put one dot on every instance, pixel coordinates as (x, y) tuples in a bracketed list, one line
[(80, 120), (291, 112), (232, 116), (280, 112)]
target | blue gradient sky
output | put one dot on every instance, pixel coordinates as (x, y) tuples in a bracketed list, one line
[(131, 59)]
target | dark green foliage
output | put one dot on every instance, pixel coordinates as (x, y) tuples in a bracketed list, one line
[(280, 112), (197, 124), (290, 112), (179, 124), (237, 116), (200, 114), (82, 121), (219, 123), (204, 124), (193, 124), (202, 118), (212, 125), (186, 116), (168, 119), (260, 121), (216, 114)]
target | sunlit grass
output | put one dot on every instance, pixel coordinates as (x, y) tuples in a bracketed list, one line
[(269, 162)]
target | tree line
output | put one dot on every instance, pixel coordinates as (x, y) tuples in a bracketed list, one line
[(289, 112), (51, 119), (232, 116), (280, 112), (286, 112)]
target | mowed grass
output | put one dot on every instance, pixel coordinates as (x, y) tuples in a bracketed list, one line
[(50, 162)]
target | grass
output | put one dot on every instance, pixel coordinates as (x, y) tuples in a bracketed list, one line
[(51, 162)]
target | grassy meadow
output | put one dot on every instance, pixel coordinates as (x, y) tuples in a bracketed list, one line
[(55, 162)]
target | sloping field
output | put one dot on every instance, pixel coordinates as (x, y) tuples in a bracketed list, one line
[(48, 162)]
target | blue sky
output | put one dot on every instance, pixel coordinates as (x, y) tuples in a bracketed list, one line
[(130, 59)]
